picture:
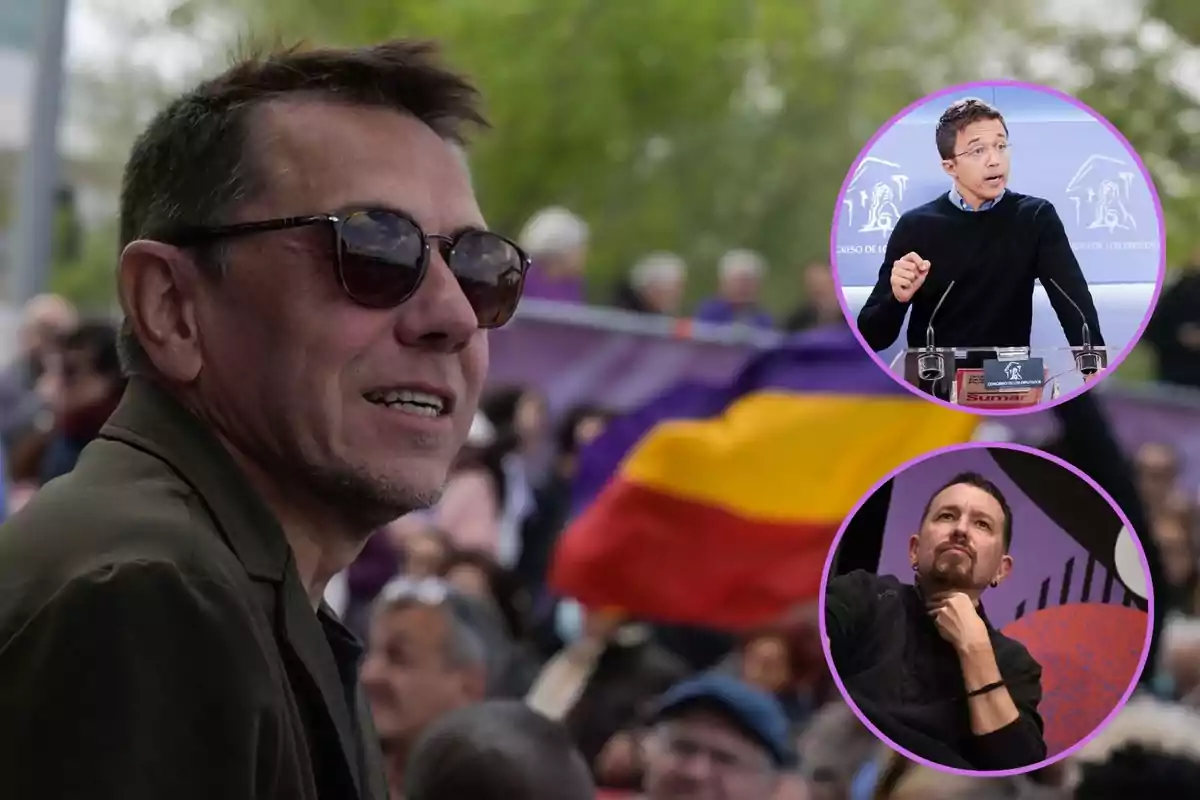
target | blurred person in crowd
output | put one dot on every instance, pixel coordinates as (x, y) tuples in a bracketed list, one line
[(90, 385), (521, 416), (472, 509), (833, 750), (475, 575), (426, 551), (557, 242), (975, 234), (601, 684), (44, 321), (1174, 533), (496, 750), (422, 661), (1174, 330), (306, 330), (902, 779), (740, 275), (1157, 467), (1181, 656), (655, 285), (553, 498), (714, 737), (820, 308), (1137, 771), (921, 660), (787, 661), (1151, 749)]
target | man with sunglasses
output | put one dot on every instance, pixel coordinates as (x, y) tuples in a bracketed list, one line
[(307, 283), (990, 241)]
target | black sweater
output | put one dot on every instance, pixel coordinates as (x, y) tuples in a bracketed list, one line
[(993, 256), (907, 680)]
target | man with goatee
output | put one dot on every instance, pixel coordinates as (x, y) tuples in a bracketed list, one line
[(921, 661)]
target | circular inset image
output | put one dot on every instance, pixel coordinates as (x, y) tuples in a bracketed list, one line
[(998, 246), (986, 610)]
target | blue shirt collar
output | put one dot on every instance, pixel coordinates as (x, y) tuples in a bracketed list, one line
[(959, 202)]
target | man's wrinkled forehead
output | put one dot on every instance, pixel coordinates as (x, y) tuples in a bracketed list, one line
[(982, 131), (317, 155), (964, 498)]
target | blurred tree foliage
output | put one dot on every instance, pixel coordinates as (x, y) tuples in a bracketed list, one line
[(701, 125), (687, 125)]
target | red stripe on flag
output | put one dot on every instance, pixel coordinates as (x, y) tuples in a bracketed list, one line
[(672, 560)]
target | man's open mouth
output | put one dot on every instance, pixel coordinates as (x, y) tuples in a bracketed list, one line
[(422, 404)]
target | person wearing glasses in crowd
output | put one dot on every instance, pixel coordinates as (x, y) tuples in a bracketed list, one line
[(713, 737), (991, 241), (307, 283)]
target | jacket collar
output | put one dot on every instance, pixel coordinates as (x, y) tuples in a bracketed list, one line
[(152, 420)]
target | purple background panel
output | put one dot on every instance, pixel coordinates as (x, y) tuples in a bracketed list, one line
[(1040, 549)]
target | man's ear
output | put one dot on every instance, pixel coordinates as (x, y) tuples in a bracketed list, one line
[(157, 284)]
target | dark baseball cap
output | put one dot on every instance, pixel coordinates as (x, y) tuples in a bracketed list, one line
[(754, 712)]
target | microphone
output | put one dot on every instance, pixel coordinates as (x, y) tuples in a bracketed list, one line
[(1088, 358), (931, 365)]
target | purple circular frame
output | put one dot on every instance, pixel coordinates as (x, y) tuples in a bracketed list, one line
[(1115, 360), (1052, 759)]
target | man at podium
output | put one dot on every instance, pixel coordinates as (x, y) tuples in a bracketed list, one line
[(966, 261)]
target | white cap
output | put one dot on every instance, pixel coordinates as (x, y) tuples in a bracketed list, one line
[(741, 262), (657, 267), (553, 230)]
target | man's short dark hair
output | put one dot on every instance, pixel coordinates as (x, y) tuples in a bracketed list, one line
[(959, 115), (196, 161), (979, 482), (98, 339), (496, 750)]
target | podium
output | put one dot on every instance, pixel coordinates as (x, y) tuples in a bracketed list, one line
[(997, 378)]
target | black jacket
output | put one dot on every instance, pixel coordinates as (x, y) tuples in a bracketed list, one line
[(156, 641)]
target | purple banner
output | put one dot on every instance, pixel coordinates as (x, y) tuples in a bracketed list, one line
[(578, 354)]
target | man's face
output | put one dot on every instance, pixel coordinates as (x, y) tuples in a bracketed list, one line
[(289, 359), (961, 542), (765, 664), (405, 675), (819, 286), (665, 295), (742, 287), (980, 166), (700, 756)]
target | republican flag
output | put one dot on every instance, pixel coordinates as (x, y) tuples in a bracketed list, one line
[(717, 505)]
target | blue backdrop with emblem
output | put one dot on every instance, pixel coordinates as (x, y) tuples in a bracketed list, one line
[(1059, 152)]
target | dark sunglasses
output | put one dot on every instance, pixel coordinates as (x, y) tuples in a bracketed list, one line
[(383, 255)]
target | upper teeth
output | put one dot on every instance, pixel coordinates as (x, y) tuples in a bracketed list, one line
[(431, 401)]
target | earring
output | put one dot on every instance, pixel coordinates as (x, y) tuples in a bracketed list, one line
[(914, 566), (994, 584)]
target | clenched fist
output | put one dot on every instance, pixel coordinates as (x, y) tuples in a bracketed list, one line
[(907, 276)]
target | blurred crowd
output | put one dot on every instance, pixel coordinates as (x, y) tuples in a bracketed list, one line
[(657, 283), (455, 603)]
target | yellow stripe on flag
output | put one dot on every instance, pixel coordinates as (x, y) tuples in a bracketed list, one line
[(792, 457)]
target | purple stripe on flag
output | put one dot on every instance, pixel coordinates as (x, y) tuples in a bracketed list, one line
[(826, 362)]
